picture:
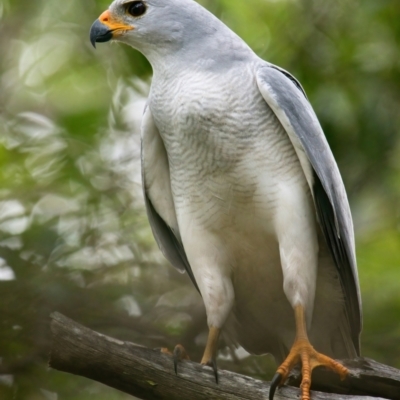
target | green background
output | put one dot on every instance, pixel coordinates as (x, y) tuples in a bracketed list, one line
[(73, 234)]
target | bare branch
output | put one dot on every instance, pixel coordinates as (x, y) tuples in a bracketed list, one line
[(149, 374)]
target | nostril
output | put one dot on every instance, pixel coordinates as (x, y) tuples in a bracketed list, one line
[(105, 17)]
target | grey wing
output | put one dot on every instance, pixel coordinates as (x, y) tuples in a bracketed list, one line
[(285, 96), (158, 196)]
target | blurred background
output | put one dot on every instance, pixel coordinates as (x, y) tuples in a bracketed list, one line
[(73, 233)]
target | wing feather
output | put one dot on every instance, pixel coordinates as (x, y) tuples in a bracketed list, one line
[(287, 99), (158, 197)]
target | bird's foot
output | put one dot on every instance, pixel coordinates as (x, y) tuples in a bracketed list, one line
[(210, 352), (303, 352), (178, 354), (209, 357), (211, 362)]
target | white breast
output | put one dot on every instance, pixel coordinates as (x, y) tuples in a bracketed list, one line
[(229, 159)]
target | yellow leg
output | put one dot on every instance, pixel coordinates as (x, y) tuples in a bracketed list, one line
[(303, 352), (210, 352)]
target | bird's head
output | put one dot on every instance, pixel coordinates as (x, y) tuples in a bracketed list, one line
[(163, 28), (125, 20), (148, 23)]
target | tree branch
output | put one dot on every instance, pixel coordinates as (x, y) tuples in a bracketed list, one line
[(149, 374)]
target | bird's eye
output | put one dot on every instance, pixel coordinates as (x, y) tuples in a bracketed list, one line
[(136, 9)]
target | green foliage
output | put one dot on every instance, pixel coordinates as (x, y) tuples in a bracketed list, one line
[(73, 234)]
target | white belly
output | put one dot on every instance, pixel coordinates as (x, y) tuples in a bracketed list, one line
[(227, 222)]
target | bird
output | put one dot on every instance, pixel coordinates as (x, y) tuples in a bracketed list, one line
[(242, 190)]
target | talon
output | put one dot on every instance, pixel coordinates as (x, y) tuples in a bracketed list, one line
[(275, 383), (215, 369), (302, 352), (175, 365), (179, 354), (212, 364)]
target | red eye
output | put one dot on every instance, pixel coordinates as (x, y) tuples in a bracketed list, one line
[(137, 8)]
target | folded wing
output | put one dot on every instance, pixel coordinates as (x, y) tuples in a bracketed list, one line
[(285, 96), (158, 197)]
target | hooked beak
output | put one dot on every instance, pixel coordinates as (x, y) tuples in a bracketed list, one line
[(106, 28), (99, 33)]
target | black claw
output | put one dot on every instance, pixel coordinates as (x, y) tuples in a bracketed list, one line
[(179, 354), (213, 364), (177, 357), (215, 369), (276, 380)]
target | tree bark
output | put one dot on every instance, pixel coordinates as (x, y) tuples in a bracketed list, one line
[(149, 374)]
